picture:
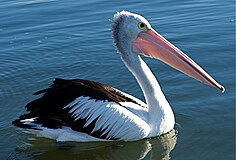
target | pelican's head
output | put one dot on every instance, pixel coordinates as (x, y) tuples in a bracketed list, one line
[(133, 32), (128, 25)]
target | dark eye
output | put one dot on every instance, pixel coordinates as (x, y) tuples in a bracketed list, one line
[(142, 26)]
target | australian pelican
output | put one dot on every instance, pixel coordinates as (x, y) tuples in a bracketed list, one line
[(83, 110)]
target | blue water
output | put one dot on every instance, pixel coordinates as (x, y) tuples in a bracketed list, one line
[(44, 39)]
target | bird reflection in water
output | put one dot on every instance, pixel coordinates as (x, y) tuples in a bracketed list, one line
[(157, 148)]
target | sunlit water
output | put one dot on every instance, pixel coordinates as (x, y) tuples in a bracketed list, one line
[(44, 39)]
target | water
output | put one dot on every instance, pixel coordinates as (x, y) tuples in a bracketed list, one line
[(43, 39)]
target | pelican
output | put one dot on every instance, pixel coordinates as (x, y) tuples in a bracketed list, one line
[(83, 110)]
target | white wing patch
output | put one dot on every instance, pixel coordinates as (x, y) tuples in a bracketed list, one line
[(110, 117)]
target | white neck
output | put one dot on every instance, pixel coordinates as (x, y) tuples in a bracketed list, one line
[(161, 117)]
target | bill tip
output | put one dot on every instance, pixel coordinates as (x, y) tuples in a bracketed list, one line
[(222, 88)]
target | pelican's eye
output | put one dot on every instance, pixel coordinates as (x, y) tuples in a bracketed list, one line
[(142, 26)]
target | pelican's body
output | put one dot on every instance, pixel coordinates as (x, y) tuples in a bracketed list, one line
[(82, 110)]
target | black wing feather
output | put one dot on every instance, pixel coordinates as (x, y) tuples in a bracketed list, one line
[(49, 109)]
